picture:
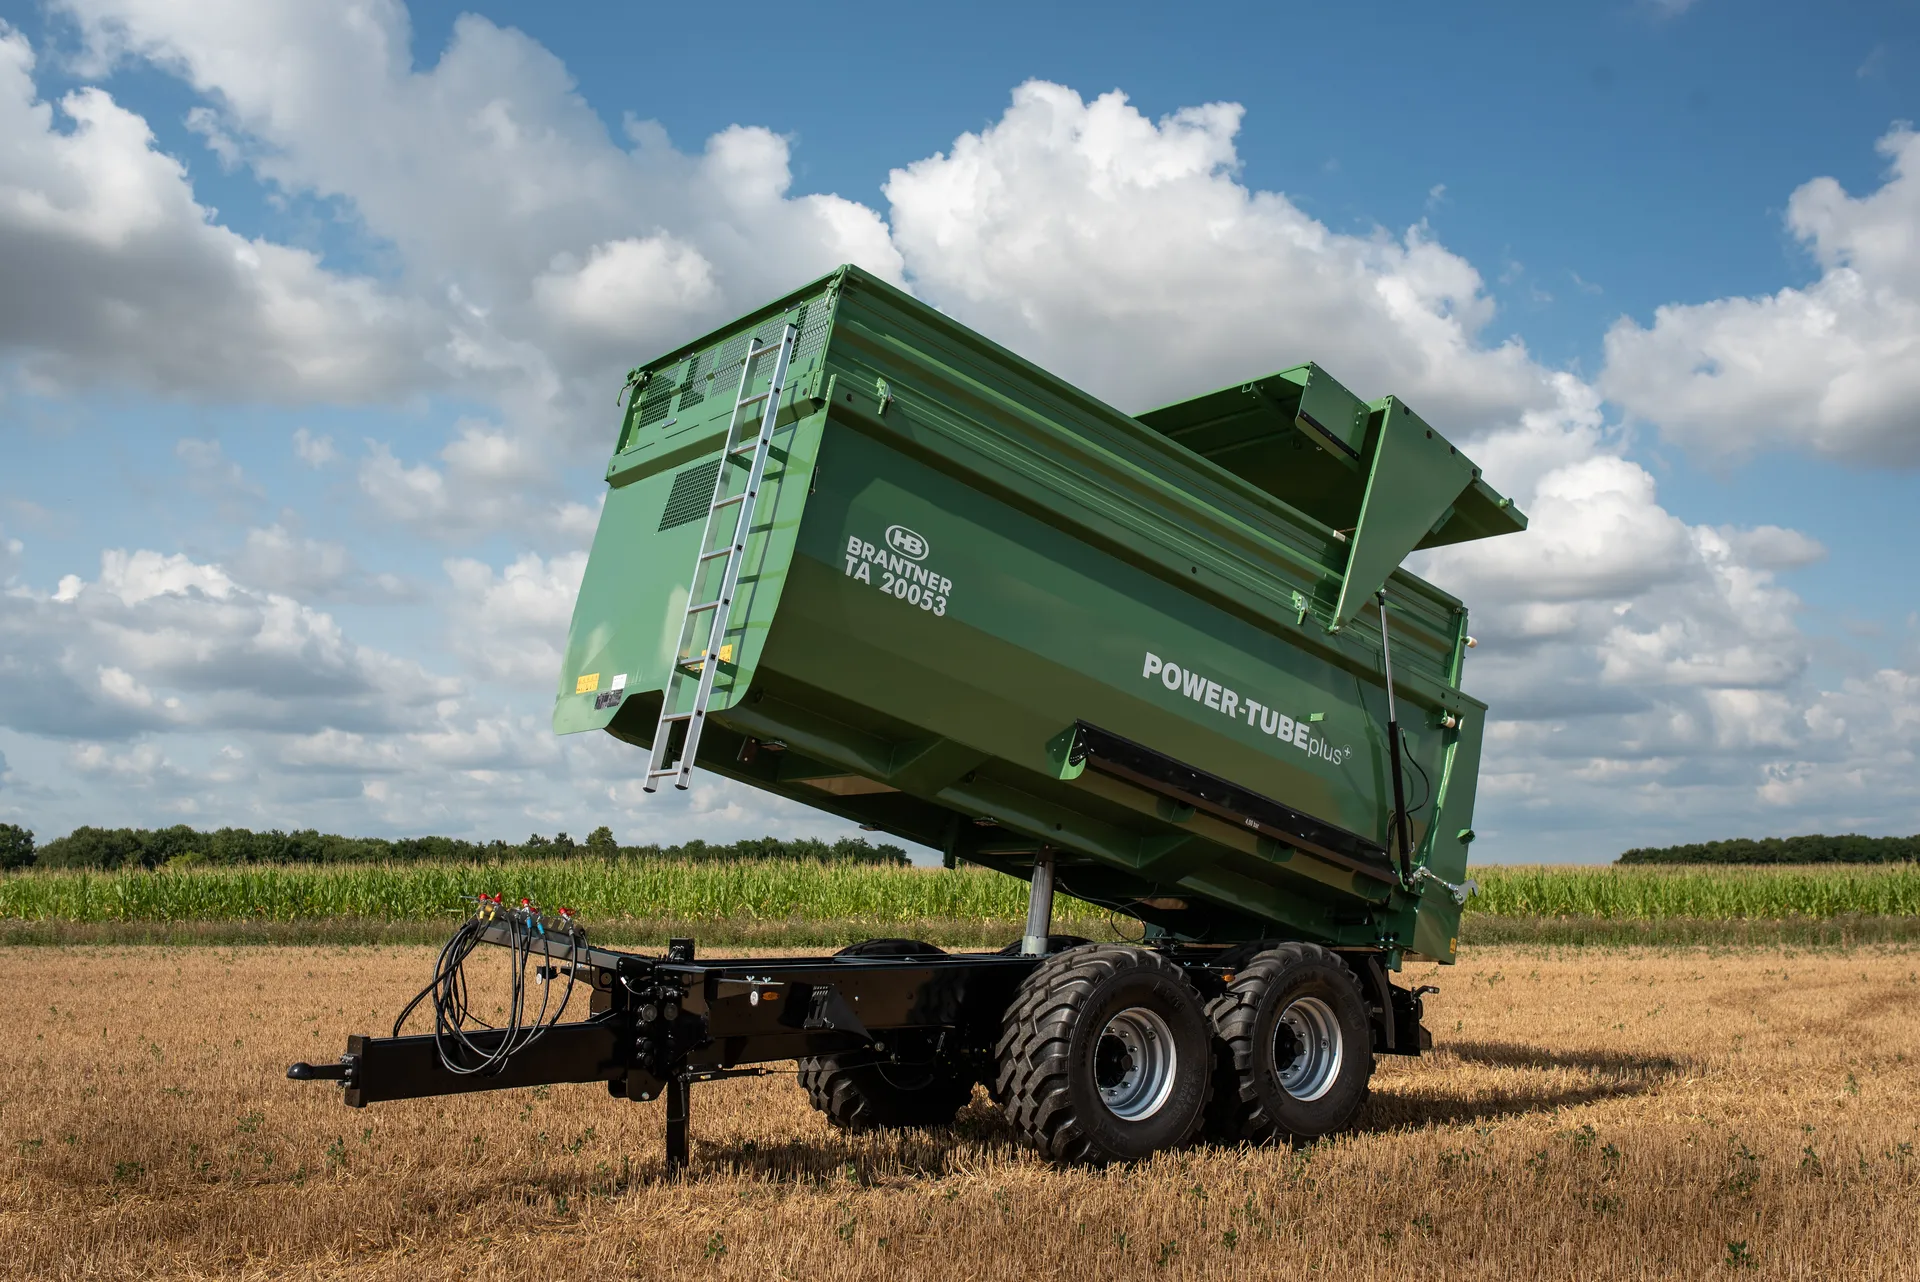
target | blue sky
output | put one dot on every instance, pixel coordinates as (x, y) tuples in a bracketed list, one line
[(310, 313)]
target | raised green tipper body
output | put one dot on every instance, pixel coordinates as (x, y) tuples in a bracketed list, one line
[(984, 611)]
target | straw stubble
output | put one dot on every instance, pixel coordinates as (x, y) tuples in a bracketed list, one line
[(1588, 1114)]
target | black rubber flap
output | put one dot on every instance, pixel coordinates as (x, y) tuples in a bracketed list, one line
[(1138, 764)]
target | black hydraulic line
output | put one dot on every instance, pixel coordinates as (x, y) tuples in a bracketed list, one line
[(1402, 825), (525, 930)]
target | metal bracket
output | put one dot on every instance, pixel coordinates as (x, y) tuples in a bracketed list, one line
[(636, 379), (832, 1011), (1461, 893)]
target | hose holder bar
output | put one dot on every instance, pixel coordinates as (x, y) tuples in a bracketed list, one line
[(1402, 823)]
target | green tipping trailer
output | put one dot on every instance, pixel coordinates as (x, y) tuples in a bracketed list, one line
[(857, 555), (986, 612)]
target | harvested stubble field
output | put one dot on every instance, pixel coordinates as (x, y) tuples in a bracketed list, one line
[(1630, 1113)]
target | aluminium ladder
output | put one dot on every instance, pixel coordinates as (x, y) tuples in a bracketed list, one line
[(700, 666)]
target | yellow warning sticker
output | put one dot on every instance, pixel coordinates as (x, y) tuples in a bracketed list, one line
[(587, 684), (726, 656)]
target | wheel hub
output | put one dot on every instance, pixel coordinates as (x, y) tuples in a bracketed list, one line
[(1307, 1046), (1133, 1063)]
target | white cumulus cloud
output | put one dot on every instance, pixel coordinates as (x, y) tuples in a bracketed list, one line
[(160, 641), (313, 450), (511, 624), (556, 253), (1832, 368), (110, 271), (1126, 255)]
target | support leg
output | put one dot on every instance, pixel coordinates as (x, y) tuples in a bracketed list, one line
[(1039, 905), (678, 1092)]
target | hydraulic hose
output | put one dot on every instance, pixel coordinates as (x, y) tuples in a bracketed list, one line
[(1402, 826)]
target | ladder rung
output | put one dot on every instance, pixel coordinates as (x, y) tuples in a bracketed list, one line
[(695, 609), (732, 498), (725, 551), (755, 400)]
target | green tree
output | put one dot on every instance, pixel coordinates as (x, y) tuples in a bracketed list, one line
[(89, 847), (1848, 848), (16, 846), (601, 845)]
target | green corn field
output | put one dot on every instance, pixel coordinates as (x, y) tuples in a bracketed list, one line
[(771, 890), (1708, 894), (785, 890)]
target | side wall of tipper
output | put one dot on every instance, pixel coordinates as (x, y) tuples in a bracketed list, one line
[(986, 612)]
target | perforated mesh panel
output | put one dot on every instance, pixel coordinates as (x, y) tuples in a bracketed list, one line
[(692, 492), (656, 400), (693, 387), (716, 371), (728, 355), (815, 320)]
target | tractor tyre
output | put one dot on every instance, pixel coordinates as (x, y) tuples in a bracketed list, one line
[(865, 1090), (1104, 1056), (1293, 1048)]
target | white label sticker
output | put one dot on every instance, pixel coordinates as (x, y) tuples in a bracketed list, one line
[(619, 681)]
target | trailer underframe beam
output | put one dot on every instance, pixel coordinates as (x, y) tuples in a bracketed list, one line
[(658, 1025)]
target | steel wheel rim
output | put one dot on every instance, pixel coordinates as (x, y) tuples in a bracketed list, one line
[(1133, 1063), (1307, 1043)]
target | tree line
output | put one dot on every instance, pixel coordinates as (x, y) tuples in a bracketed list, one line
[(181, 846), (1848, 848)]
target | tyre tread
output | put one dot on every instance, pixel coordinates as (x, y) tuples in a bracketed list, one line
[(1031, 1054), (1235, 1114), (854, 1097)]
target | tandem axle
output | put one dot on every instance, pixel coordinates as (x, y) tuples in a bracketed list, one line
[(1098, 1052)]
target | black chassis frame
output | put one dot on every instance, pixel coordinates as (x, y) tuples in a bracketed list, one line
[(658, 1024)]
